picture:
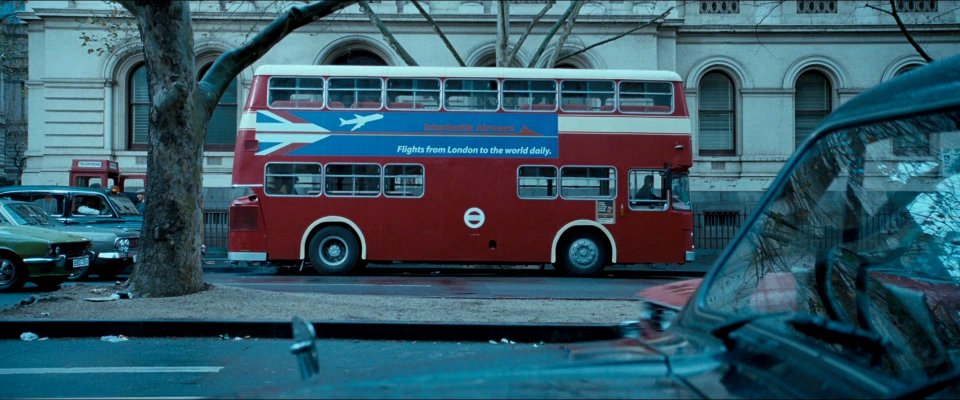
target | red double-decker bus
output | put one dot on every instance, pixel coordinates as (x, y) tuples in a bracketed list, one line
[(348, 165)]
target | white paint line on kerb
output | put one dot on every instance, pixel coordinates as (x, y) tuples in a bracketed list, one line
[(109, 370), (125, 398), (317, 284)]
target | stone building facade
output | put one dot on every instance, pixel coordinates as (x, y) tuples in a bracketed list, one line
[(759, 75)]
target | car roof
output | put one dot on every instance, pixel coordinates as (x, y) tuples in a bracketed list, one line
[(55, 189), (925, 89)]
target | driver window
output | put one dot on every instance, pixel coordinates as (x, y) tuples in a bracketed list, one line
[(89, 205), (646, 190)]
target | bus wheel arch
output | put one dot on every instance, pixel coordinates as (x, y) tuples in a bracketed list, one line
[(336, 234), (583, 248)]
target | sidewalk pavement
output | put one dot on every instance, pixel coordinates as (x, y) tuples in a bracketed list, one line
[(699, 267), (234, 312)]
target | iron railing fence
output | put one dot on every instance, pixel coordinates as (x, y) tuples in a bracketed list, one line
[(216, 224), (713, 230)]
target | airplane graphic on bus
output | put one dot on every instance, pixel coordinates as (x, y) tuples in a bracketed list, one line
[(359, 121)]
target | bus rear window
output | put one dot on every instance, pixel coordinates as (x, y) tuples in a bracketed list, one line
[(537, 182), (357, 180), (355, 93), (285, 92), (471, 94), (413, 94), (646, 97), (587, 96), (292, 179), (529, 95), (588, 182)]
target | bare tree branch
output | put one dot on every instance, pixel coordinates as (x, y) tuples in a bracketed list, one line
[(553, 31), (903, 29), (536, 19), (503, 32), (391, 40), (225, 69), (567, 29), (656, 20), (436, 28)]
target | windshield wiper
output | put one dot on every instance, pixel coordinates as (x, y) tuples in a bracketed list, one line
[(922, 390), (725, 331), (845, 335)]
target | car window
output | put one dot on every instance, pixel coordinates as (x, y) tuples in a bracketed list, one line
[(29, 214), (853, 210), (50, 203), (123, 205), (90, 205)]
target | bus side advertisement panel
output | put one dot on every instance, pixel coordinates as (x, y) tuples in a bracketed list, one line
[(428, 134)]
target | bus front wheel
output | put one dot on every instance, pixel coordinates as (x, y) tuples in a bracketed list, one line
[(583, 255), (334, 251)]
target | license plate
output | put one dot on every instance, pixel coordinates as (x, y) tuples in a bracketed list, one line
[(81, 262)]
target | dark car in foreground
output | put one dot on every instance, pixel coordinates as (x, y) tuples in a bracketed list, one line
[(80, 205), (114, 248), (39, 255), (845, 283)]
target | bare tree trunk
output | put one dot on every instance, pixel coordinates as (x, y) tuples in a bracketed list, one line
[(503, 32), (391, 40), (567, 28), (170, 263), (436, 28), (523, 38), (553, 31)]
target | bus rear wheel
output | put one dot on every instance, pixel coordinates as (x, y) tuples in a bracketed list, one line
[(583, 255), (334, 251)]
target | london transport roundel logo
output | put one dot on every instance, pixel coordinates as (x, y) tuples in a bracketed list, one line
[(473, 218)]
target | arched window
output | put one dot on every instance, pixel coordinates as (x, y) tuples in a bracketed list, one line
[(717, 115), (138, 108), (812, 102), (358, 57), (222, 128)]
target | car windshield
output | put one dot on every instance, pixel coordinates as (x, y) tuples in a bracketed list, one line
[(29, 214), (123, 204), (879, 201)]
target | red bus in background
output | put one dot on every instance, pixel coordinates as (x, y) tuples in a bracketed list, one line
[(349, 164)]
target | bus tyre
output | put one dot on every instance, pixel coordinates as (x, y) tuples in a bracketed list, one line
[(334, 251), (582, 255)]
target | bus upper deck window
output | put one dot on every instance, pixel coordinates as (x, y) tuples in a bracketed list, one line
[(413, 94), (289, 92), (355, 93), (646, 97), (587, 96), (471, 94), (530, 95)]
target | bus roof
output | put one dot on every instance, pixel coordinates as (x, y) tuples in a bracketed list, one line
[(465, 72)]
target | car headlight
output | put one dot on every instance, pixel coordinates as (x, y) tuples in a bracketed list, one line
[(122, 244)]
